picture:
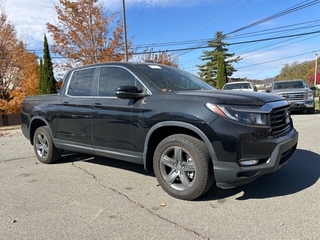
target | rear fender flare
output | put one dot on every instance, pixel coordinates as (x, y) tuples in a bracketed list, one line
[(33, 128)]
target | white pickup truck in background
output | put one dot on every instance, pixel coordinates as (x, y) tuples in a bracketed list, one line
[(242, 86)]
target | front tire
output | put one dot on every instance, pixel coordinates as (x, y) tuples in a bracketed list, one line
[(43, 146), (311, 110), (183, 167)]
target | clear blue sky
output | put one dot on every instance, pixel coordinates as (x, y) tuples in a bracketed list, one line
[(180, 24)]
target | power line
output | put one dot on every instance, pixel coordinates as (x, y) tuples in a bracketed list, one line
[(273, 48), (271, 17), (274, 60), (214, 16), (274, 30), (251, 34), (235, 43), (224, 16), (279, 14), (202, 43)]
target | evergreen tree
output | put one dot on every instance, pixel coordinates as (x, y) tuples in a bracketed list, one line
[(47, 80), (221, 74), (209, 70), (41, 76)]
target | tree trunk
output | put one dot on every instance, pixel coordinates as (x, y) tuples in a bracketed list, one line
[(5, 120)]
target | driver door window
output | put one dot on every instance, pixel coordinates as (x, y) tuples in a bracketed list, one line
[(112, 77)]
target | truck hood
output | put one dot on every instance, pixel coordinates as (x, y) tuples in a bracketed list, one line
[(234, 97)]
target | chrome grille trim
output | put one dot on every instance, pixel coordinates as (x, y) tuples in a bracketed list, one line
[(294, 96)]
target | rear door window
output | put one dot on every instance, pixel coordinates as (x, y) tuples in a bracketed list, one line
[(81, 82)]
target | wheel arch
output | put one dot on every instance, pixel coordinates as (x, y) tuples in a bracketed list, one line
[(163, 129), (35, 123)]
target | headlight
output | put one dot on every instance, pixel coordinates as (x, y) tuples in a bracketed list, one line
[(310, 95), (240, 114)]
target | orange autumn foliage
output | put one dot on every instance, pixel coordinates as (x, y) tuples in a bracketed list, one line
[(28, 85), (18, 69), (84, 34)]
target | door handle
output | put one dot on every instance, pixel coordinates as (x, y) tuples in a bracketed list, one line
[(97, 106)]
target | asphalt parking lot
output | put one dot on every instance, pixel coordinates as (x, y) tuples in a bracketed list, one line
[(84, 197)]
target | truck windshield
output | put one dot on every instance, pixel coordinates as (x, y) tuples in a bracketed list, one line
[(237, 86), (172, 79), (290, 84)]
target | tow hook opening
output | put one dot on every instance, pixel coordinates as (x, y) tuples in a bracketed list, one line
[(248, 174)]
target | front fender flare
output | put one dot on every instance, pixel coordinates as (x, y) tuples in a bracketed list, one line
[(178, 124)]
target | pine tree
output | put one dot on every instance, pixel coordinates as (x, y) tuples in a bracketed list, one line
[(41, 76), (209, 70), (47, 80), (221, 74)]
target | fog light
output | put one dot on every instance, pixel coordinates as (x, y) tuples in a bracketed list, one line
[(249, 162)]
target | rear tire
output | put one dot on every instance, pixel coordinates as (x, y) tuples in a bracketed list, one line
[(183, 167), (44, 148)]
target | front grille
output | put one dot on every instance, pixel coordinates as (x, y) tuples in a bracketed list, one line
[(294, 96), (280, 121)]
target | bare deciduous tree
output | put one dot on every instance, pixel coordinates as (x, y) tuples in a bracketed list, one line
[(161, 58)]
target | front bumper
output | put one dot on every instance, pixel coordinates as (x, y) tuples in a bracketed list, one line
[(301, 105), (231, 174)]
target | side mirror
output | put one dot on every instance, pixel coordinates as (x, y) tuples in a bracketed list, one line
[(313, 88), (129, 92), (268, 89)]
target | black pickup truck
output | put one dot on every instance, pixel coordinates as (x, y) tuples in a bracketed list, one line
[(190, 134)]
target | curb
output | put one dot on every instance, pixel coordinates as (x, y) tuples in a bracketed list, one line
[(14, 127)]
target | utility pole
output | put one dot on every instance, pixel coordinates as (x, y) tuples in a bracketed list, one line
[(315, 69), (125, 30)]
